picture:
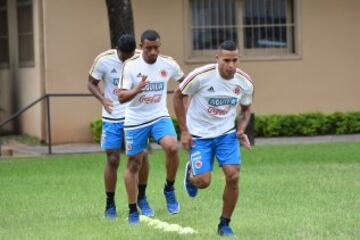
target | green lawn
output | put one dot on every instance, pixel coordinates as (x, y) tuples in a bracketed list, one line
[(287, 192)]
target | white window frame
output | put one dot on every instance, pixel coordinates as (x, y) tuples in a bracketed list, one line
[(203, 56)]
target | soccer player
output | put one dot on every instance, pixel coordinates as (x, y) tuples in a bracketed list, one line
[(108, 67), (208, 126), (144, 87)]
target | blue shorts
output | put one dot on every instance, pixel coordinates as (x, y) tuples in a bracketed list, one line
[(112, 135), (136, 139), (225, 148)]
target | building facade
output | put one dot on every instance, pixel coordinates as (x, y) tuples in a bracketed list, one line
[(303, 55)]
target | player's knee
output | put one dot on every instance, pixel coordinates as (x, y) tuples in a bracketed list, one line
[(203, 182), (233, 179), (113, 161), (134, 165), (172, 149)]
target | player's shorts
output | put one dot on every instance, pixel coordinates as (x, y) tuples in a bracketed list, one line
[(137, 138), (225, 148), (112, 135)]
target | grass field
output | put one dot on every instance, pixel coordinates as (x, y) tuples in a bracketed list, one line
[(287, 192)]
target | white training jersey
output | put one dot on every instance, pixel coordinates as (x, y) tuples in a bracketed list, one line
[(109, 68), (150, 104), (212, 109)]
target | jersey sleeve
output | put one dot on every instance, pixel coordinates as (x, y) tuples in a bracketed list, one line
[(126, 80), (178, 73), (190, 85), (97, 70), (247, 96)]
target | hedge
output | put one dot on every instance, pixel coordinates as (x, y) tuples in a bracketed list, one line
[(304, 124), (95, 129), (307, 124)]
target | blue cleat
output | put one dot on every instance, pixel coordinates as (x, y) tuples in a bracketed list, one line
[(172, 204), (110, 212), (134, 218), (146, 210), (190, 188), (225, 231)]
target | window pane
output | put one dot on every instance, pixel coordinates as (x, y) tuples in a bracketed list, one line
[(25, 32), (26, 51), (3, 23), (198, 13), (4, 35), (281, 11), (269, 24), (24, 2), (213, 21), (266, 37), (25, 19), (2, 3), (4, 50)]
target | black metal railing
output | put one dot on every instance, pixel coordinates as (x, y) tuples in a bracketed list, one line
[(46, 97)]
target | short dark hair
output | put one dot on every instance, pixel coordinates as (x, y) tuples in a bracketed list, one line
[(228, 45), (126, 43), (150, 35)]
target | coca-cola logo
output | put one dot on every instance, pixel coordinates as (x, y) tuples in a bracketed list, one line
[(148, 99), (217, 111)]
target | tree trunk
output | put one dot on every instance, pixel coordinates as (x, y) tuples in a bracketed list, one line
[(120, 19)]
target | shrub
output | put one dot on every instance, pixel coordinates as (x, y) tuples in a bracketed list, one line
[(96, 128), (307, 124), (344, 123)]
